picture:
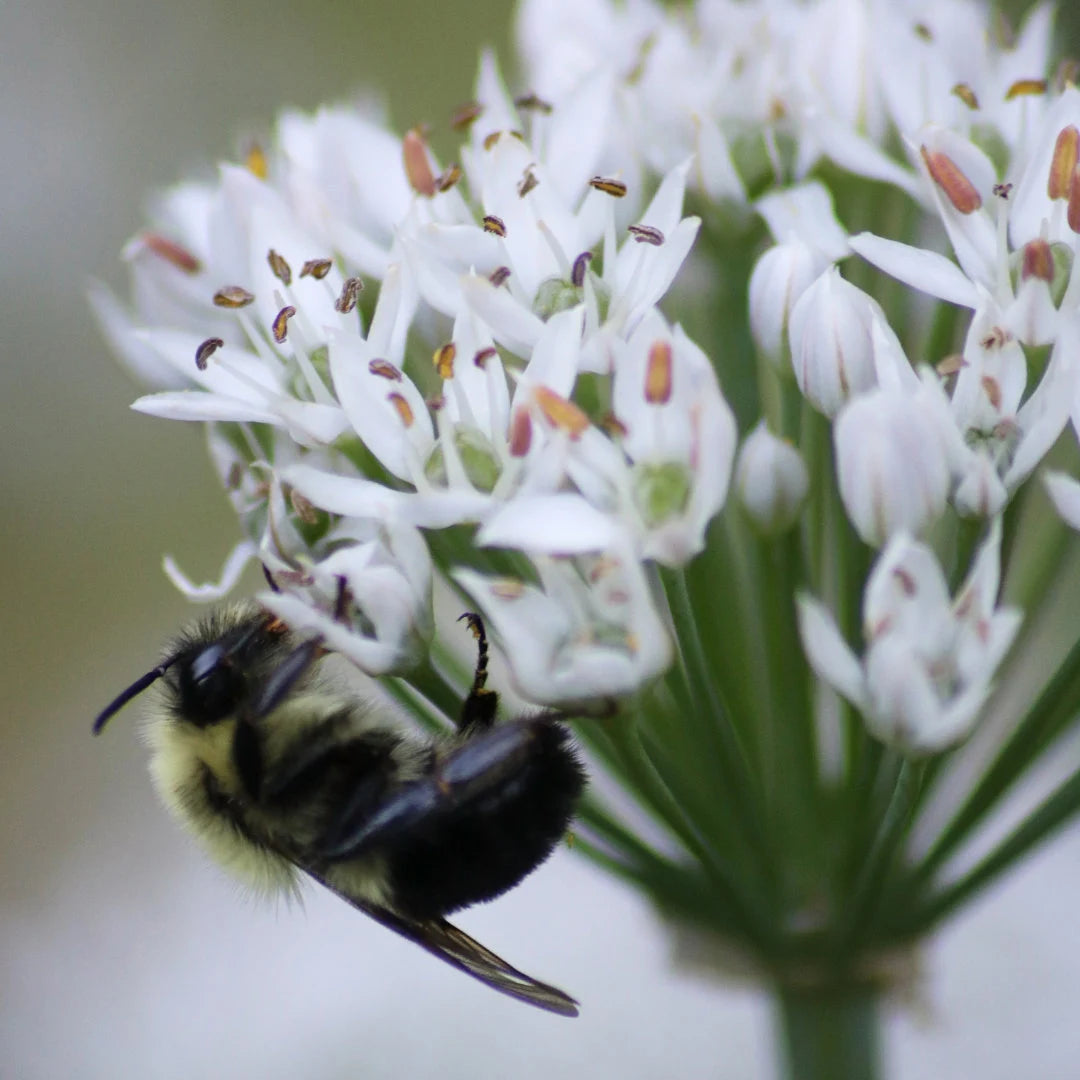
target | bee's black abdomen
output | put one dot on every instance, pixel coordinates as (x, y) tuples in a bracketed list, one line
[(486, 844)]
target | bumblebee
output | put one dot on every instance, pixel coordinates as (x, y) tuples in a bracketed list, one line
[(279, 776)]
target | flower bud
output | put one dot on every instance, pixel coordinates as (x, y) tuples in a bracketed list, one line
[(780, 276), (892, 463), (772, 480), (831, 345)]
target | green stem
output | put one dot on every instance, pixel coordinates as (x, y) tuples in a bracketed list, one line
[(1054, 812), (1056, 706), (877, 867), (830, 1033)]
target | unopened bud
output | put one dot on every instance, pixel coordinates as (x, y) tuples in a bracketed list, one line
[(772, 481)]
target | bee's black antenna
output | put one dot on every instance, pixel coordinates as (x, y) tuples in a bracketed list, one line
[(134, 690), (478, 709)]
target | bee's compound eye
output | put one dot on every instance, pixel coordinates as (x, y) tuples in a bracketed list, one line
[(210, 686), (207, 662)]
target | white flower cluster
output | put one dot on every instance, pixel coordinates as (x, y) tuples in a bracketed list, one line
[(383, 346)]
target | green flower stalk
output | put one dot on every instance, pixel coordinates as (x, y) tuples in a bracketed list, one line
[(522, 377)]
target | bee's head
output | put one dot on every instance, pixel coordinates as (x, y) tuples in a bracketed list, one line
[(219, 668), (210, 684)]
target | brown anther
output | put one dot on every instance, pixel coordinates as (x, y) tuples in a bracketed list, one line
[(602, 567), (255, 161), (1038, 261), (464, 115), (403, 409), (646, 234), (997, 338), (350, 292), (527, 182), (615, 188), (493, 224), (499, 276), (906, 581), (658, 373), (280, 325), (614, 426), (443, 360), (448, 177), (316, 268), (172, 252), (966, 95), (1072, 212), (484, 355), (303, 507), (950, 365), (992, 389), (507, 589), (560, 412), (280, 268), (385, 370), (1002, 191), (532, 102), (581, 265), (206, 350), (234, 477), (414, 156), (958, 189), (1026, 87), (1063, 162), (923, 31), (520, 433), (233, 296), (492, 137)]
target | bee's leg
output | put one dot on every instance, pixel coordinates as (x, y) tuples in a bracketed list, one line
[(478, 709), (478, 769), (295, 665), (285, 677)]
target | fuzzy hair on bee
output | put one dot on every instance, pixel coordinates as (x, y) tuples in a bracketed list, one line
[(279, 776)]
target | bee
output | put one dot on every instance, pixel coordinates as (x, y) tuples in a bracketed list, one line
[(279, 776)]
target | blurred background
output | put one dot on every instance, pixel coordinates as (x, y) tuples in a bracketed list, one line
[(122, 952)]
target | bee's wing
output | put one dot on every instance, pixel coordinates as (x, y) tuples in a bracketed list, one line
[(448, 943)]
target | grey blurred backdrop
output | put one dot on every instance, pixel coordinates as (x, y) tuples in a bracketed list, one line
[(122, 953)]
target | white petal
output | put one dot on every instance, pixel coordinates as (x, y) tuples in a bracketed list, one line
[(237, 559), (510, 323), (1064, 492), (199, 405), (561, 524), (921, 269), (804, 214), (828, 653), (372, 656), (362, 498)]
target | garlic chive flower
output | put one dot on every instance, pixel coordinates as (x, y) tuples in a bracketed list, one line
[(515, 380), (930, 660)]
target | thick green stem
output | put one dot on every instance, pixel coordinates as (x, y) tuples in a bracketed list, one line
[(829, 1032)]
